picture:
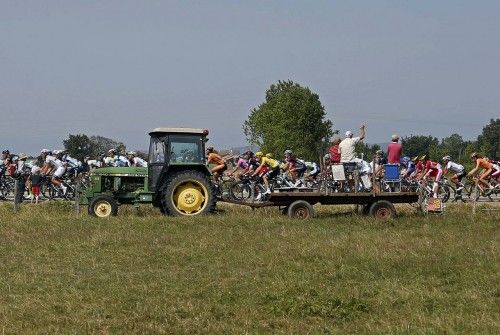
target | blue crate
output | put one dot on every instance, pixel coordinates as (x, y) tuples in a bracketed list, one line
[(391, 172)]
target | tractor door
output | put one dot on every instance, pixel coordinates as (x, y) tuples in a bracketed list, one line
[(156, 161)]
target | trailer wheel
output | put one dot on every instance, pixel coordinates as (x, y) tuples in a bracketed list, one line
[(383, 210), (301, 209), (103, 206)]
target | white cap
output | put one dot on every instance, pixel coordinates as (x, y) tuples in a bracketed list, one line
[(348, 133), (395, 137)]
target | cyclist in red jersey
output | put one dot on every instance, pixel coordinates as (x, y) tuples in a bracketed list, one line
[(434, 170)]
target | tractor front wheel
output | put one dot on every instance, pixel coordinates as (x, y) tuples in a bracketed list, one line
[(103, 206), (188, 193)]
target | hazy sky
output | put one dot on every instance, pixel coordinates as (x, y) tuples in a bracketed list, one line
[(121, 68)]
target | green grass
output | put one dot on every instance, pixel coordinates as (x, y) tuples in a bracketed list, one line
[(244, 271)]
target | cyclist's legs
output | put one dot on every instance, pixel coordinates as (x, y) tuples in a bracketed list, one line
[(483, 179)]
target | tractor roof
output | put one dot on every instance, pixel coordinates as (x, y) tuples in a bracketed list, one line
[(179, 131)]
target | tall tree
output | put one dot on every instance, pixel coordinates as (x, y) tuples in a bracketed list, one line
[(78, 146), (81, 145), (291, 117), (101, 144), (414, 145), (489, 140)]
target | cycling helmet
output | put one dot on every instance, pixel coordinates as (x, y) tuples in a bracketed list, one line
[(248, 153), (5, 152), (288, 152), (210, 149), (259, 154), (423, 157), (446, 158), (131, 153), (112, 151), (269, 155), (473, 155), (45, 151)]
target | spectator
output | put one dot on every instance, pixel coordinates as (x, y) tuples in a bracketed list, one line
[(394, 150), (36, 182), (347, 147), (20, 176), (334, 151)]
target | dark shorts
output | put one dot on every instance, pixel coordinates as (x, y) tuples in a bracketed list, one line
[(273, 173), (461, 175)]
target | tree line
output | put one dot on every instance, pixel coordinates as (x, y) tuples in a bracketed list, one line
[(292, 117)]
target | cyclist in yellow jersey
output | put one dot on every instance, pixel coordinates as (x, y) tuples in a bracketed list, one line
[(273, 166)]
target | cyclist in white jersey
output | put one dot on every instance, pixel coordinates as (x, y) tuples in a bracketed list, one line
[(54, 164), (458, 173), (135, 161)]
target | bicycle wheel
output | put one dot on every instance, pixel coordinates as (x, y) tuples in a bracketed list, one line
[(241, 191), (444, 192)]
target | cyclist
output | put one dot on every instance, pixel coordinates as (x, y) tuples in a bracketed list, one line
[(313, 168), (239, 163), (481, 163), (434, 170), (54, 164), (296, 167), (273, 166), (213, 157), (409, 166), (459, 173), (135, 161), (419, 166), (115, 159), (73, 165)]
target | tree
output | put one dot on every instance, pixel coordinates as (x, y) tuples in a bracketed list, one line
[(78, 146), (101, 145), (81, 145), (292, 117), (416, 145), (489, 140)]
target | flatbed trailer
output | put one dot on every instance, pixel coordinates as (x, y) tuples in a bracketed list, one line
[(298, 204)]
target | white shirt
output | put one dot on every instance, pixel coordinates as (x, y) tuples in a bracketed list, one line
[(347, 149), (457, 168), (139, 162)]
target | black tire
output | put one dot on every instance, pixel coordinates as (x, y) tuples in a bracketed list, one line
[(241, 191), (103, 206), (364, 209), (188, 193), (383, 210), (301, 209)]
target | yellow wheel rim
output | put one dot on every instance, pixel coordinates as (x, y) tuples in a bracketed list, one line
[(102, 209), (189, 197)]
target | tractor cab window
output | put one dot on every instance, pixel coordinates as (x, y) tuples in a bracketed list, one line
[(186, 149), (157, 151)]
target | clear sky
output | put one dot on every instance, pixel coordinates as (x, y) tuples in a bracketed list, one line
[(121, 68)]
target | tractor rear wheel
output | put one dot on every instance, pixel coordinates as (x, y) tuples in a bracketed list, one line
[(188, 193), (103, 206)]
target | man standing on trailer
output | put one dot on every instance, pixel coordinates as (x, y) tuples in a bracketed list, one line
[(394, 150), (347, 147)]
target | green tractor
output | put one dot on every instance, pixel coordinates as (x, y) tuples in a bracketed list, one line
[(177, 179)]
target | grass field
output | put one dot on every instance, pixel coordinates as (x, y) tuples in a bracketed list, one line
[(243, 271)]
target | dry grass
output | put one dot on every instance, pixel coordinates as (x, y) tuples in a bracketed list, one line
[(244, 271)]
